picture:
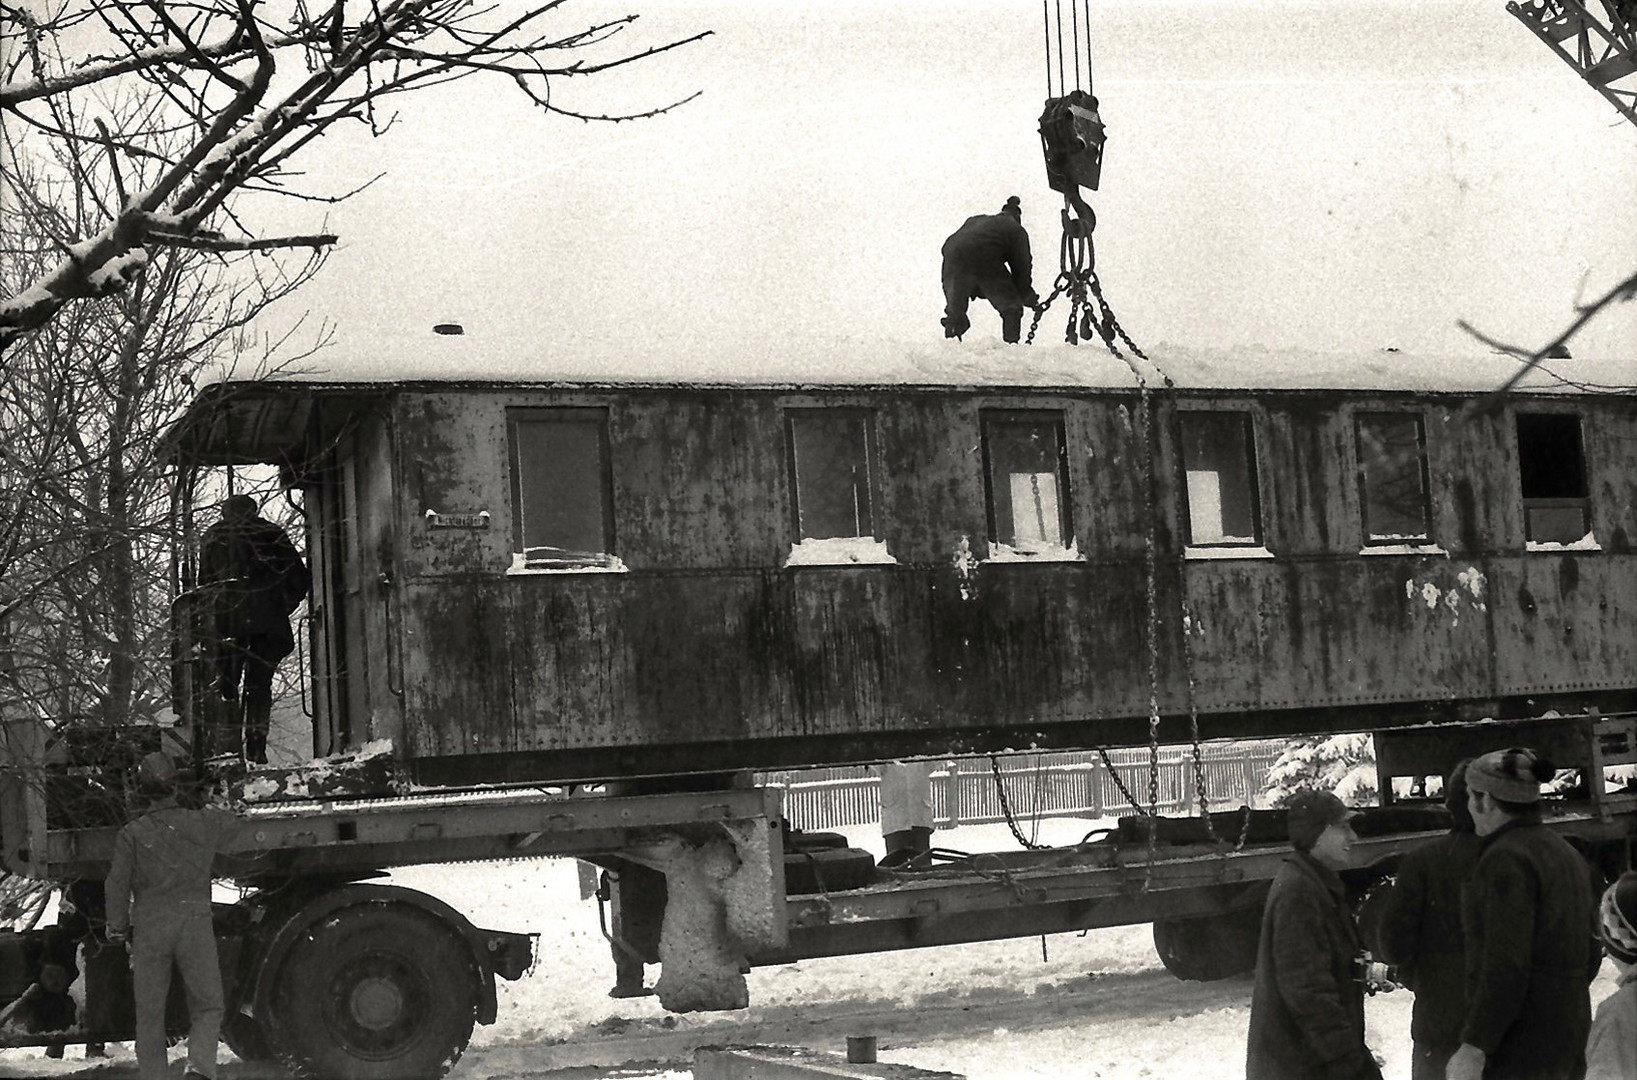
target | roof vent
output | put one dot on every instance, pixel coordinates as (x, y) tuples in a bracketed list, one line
[(449, 329)]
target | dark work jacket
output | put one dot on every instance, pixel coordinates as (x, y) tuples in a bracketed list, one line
[(261, 576), (988, 256), (1420, 932), (1307, 1008), (1528, 913)]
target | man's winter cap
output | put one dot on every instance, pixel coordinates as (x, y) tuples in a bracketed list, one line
[(239, 506), (1013, 207), (1513, 775), (1617, 918), (1309, 813), (156, 770)]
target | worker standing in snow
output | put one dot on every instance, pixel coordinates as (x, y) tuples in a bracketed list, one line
[(159, 901), (988, 257), (1420, 932), (1611, 1050), (1307, 1007), (1529, 912)]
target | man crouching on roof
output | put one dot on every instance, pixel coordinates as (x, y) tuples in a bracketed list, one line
[(159, 901), (988, 257)]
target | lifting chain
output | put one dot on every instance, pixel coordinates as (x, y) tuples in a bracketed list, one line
[(1076, 277), (1145, 427), (1006, 806)]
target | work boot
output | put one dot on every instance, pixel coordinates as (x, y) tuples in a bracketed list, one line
[(255, 748), (1011, 326), (628, 990)]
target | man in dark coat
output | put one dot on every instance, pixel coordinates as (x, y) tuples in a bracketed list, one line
[(1307, 1008), (1420, 932), (988, 257), (1530, 918), (258, 580)]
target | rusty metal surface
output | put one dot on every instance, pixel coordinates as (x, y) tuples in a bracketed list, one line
[(709, 640)]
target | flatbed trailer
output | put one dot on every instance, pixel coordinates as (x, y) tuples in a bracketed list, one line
[(313, 926)]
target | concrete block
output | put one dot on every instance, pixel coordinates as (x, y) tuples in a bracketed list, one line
[(798, 1063)]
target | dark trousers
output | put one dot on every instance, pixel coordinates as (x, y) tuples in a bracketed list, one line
[(248, 661), (997, 288), (1427, 1062)]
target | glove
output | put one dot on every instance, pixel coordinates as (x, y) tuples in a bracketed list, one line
[(1467, 1064), (118, 935), (1031, 299)]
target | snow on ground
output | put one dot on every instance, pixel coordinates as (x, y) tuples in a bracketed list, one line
[(1097, 1004)]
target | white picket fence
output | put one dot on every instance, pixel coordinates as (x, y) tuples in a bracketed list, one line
[(1068, 784)]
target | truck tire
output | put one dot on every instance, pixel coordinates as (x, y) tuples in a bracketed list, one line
[(1210, 947), (245, 1037), (377, 991)]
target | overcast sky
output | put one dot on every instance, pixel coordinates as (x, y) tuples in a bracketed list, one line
[(1326, 174)]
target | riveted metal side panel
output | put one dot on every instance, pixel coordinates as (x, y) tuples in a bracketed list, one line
[(707, 637)]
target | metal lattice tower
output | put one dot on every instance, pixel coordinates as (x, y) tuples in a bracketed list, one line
[(1601, 46)]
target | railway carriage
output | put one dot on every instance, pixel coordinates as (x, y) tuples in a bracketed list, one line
[(529, 573)]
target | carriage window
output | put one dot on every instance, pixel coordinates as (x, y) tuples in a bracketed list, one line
[(1552, 471), (562, 511), (1219, 459), (831, 462), (1392, 477), (1026, 473)]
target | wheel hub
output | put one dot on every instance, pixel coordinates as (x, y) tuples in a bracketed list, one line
[(376, 1003), (379, 1000)]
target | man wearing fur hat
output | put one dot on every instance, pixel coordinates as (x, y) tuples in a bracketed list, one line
[(988, 258), (1611, 1052), (1420, 931), (159, 900), (1528, 916), (1307, 1007)]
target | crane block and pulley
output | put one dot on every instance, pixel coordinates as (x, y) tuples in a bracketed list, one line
[(1600, 46), (1072, 136)]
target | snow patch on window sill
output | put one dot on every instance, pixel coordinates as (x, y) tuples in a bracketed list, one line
[(1585, 543), (1207, 553), (1405, 549), (521, 567), (840, 551), (1034, 552)]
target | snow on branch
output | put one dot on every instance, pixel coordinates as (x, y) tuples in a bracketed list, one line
[(250, 85)]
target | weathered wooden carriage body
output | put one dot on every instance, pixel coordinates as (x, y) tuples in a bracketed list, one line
[(526, 574)]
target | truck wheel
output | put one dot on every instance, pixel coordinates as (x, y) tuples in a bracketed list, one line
[(1211, 947), (375, 992), (245, 1037)]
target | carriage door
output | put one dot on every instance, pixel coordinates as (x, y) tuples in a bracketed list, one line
[(326, 526), (355, 636)]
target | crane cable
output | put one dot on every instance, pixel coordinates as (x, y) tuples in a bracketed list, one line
[(1073, 160)]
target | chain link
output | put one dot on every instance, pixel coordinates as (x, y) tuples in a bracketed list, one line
[(1006, 806)]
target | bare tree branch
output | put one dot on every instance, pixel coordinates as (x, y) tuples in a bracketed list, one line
[(1624, 292), (243, 126)]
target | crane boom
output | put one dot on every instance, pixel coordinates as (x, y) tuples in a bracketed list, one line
[(1602, 47)]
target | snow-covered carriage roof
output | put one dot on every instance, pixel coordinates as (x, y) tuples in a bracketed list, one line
[(819, 362), (245, 417)]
